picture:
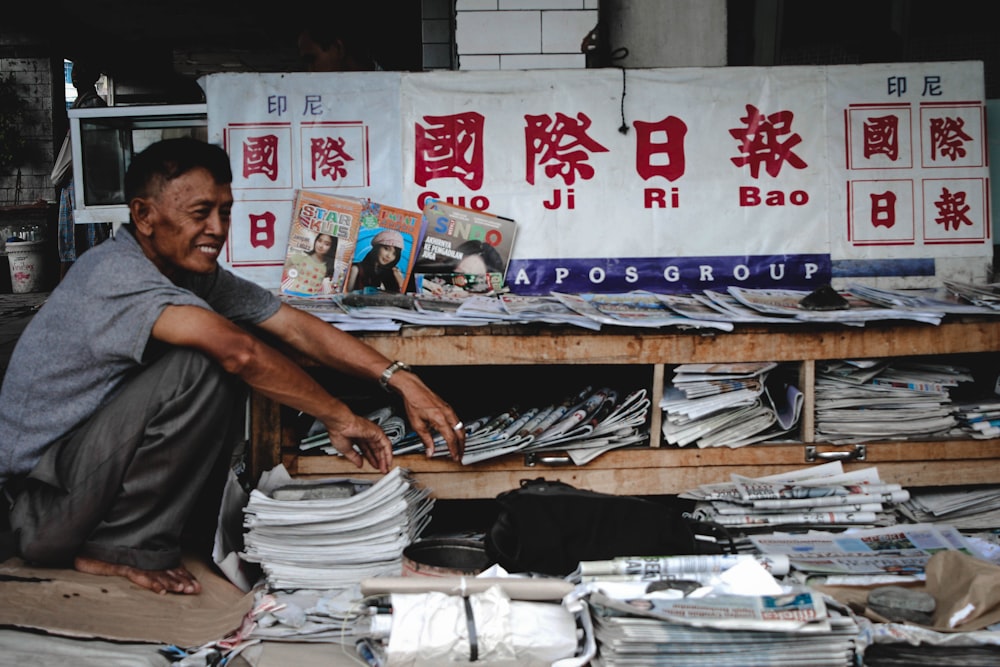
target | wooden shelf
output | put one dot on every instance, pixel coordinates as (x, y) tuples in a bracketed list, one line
[(664, 470)]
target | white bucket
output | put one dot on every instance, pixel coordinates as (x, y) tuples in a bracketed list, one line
[(27, 266)]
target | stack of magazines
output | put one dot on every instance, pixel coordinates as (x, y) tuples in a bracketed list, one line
[(331, 533), (728, 405), (873, 398)]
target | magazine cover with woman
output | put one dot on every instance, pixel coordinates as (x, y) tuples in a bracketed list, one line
[(320, 244), (462, 250), (385, 249)]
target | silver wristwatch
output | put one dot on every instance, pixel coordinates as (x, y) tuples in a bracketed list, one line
[(390, 371)]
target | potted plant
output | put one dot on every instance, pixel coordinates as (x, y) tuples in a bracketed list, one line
[(12, 112)]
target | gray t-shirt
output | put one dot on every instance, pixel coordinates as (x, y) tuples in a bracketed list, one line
[(92, 331)]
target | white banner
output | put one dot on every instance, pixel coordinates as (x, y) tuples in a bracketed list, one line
[(671, 180)]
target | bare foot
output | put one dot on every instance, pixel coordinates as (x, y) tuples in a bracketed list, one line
[(174, 580)]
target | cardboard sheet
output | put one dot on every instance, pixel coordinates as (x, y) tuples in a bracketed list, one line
[(74, 604), (965, 588)]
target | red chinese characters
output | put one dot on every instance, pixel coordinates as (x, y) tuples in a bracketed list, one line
[(881, 136), (450, 147), (766, 140), (883, 209), (670, 151), (948, 139), (261, 230), (560, 145), (952, 210), (260, 156), (328, 158)]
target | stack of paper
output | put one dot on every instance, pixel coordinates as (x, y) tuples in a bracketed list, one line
[(635, 309), (545, 309), (893, 550), (797, 628), (727, 405), (824, 495), (966, 508), (331, 533), (980, 419), (938, 299), (787, 302), (987, 296), (584, 425), (882, 399)]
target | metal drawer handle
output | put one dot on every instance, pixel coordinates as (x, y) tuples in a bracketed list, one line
[(533, 458), (858, 453)]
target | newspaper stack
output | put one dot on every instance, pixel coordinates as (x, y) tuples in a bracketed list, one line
[(939, 299), (966, 508), (979, 419), (794, 628), (727, 405), (985, 295), (903, 549), (636, 309), (824, 495), (879, 398), (852, 311), (584, 425), (331, 533)]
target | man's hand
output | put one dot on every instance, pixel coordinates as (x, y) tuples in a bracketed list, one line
[(365, 435), (427, 412)]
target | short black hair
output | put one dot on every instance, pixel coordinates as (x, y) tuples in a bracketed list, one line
[(347, 24), (167, 159)]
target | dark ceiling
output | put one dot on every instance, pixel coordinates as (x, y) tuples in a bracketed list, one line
[(199, 36)]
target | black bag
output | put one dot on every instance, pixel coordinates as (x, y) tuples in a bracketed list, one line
[(548, 527)]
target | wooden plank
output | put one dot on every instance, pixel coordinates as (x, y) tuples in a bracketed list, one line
[(265, 435), (670, 481), (807, 385), (667, 470), (791, 343)]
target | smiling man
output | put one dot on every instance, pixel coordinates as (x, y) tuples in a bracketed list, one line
[(116, 410)]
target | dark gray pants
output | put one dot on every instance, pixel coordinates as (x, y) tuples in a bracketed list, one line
[(121, 488)]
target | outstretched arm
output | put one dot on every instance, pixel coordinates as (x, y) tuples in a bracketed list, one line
[(426, 411), (276, 376)]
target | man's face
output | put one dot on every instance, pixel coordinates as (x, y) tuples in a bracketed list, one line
[(185, 226), (317, 59)]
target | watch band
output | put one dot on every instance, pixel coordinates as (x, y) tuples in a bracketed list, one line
[(390, 371)]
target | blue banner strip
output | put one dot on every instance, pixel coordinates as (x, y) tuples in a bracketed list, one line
[(873, 268), (667, 275)]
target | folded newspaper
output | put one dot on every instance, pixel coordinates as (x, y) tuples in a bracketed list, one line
[(332, 533)]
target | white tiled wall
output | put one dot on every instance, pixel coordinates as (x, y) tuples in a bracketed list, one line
[(522, 34)]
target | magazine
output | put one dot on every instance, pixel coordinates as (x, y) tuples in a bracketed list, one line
[(460, 241), (457, 286), (385, 250), (320, 243)]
